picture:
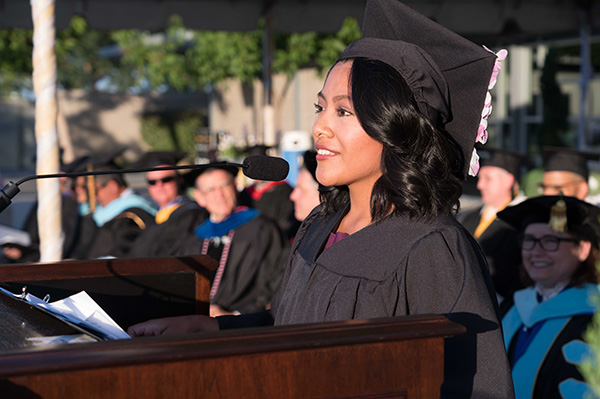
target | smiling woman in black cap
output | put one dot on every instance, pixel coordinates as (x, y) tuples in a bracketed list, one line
[(543, 329), (397, 120)]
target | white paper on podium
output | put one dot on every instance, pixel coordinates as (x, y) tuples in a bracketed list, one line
[(81, 310)]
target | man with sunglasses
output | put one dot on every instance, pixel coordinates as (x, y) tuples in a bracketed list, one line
[(177, 213)]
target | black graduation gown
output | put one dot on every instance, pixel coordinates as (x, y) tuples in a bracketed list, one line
[(276, 204), (160, 239), (254, 265), (71, 225), (500, 245), (115, 237), (401, 267)]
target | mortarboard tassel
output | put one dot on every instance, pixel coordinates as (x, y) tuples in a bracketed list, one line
[(558, 216)]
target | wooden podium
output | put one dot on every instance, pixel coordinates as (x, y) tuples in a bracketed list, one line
[(400, 357), (130, 290)]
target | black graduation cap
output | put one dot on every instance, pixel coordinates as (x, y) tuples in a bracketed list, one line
[(448, 74), (77, 165), (511, 161), (156, 158), (581, 216), (258, 149), (99, 161), (568, 160), (190, 178)]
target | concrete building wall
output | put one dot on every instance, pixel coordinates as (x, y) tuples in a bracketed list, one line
[(237, 108)]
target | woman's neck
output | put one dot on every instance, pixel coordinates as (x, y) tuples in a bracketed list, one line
[(359, 214)]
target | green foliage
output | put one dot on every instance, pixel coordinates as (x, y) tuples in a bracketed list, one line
[(531, 180), (178, 58), (294, 52), (16, 46), (79, 65), (589, 368), (332, 46), (216, 56), (172, 131)]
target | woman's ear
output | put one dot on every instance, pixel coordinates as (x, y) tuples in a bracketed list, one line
[(584, 250)]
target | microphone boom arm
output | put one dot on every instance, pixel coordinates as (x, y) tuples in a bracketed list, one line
[(11, 189), (258, 167)]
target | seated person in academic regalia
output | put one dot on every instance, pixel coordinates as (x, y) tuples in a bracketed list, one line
[(543, 329), (498, 183), (250, 248), (177, 214), (119, 217), (70, 219), (566, 171), (271, 198)]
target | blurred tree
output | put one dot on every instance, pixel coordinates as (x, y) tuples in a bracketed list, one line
[(178, 58), (331, 46), (188, 60), (554, 127), (16, 46), (78, 59), (172, 131)]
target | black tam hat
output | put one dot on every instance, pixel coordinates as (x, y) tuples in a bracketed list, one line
[(157, 158), (510, 161), (568, 160), (190, 178), (581, 217), (449, 75), (94, 162), (258, 149)]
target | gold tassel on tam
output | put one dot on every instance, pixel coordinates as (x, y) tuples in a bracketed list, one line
[(558, 216)]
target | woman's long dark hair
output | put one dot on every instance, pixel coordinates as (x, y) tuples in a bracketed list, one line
[(419, 161)]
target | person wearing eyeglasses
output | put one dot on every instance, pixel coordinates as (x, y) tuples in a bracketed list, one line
[(544, 326), (177, 214), (250, 247), (566, 170)]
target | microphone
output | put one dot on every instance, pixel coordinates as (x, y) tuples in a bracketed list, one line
[(262, 167), (257, 167)]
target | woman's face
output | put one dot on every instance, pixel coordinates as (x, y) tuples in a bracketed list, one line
[(346, 154), (548, 268)]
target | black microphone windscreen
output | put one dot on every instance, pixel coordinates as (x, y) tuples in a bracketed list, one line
[(262, 167)]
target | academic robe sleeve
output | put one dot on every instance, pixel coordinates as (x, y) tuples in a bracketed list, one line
[(448, 266), (254, 267)]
